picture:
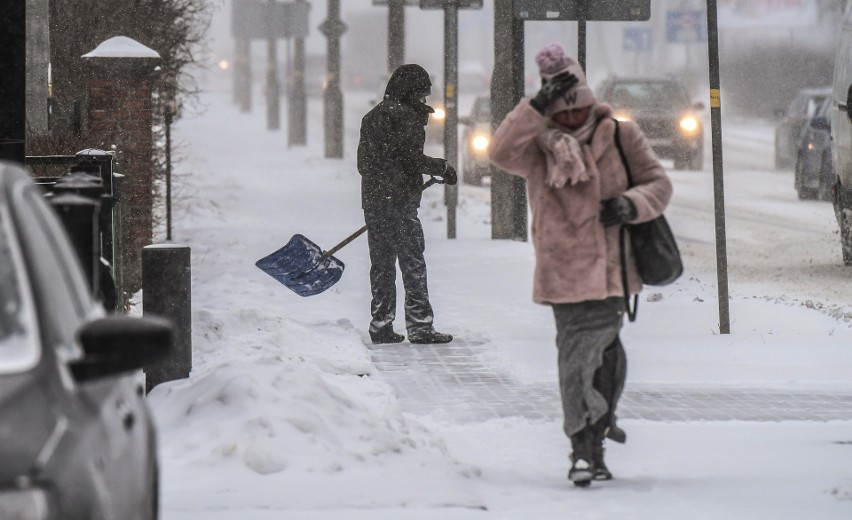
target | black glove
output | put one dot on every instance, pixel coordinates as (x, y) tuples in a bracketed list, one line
[(617, 211), (551, 90), (450, 176)]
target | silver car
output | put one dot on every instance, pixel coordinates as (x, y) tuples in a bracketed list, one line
[(76, 438)]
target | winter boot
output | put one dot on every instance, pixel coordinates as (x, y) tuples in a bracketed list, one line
[(601, 472), (582, 470), (386, 335), (614, 433), (429, 337)]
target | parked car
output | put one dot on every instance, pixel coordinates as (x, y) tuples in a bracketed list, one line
[(841, 127), (663, 110), (814, 177), (789, 128), (77, 441), (475, 138)]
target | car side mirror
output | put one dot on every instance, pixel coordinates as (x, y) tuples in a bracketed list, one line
[(698, 105), (118, 344), (849, 102), (780, 113), (820, 123)]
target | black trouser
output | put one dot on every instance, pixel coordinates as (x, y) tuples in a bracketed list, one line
[(394, 233), (610, 377)]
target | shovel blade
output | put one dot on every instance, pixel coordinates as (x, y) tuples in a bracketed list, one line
[(298, 267)]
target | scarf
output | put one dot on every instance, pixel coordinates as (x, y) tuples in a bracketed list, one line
[(569, 156)]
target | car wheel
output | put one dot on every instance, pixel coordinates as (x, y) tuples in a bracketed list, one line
[(844, 222)]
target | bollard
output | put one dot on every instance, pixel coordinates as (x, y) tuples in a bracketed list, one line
[(166, 292)]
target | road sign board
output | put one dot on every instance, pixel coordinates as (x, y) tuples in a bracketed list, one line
[(637, 39), (254, 19), (592, 10), (686, 26), (461, 4), (409, 3)]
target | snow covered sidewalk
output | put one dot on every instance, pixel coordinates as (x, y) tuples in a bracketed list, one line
[(289, 414)]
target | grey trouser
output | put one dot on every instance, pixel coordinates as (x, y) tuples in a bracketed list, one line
[(583, 331), (394, 233)]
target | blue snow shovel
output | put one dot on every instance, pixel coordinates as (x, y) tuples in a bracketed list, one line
[(303, 267)]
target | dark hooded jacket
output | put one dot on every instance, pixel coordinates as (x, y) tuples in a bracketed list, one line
[(390, 152)]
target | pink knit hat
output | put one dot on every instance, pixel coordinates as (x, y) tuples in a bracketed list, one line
[(551, 61)]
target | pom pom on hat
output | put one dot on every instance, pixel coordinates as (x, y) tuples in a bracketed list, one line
[(552, 59)]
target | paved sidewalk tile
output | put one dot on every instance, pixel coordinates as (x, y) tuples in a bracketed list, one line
[(451, 383)]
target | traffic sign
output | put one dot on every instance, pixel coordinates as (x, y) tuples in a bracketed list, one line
[(461, 4), (592, 10), (637, 39), (685, 26), (253, 19)]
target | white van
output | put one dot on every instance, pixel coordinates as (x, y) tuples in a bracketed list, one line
[(841, 129)]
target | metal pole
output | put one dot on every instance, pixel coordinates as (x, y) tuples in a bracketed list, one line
[(333, 28), (297, 134), (396, 35), (242, 74), (451, 62), (168, 120), (273, 93), (718, 184), (581, 35), (508, 193)]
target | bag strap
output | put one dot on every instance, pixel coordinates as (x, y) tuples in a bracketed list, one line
[(622, 235)]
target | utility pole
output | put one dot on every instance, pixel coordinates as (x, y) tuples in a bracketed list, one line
[(333, 28), (451, 73), (396, 35), (718, 183), (508, 192), (273, 91), (13, 80), (297, 133)]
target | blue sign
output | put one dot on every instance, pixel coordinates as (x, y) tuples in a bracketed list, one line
[(686, 26), (637, 39)]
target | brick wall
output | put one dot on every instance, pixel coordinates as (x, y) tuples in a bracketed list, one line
[(119, 114)]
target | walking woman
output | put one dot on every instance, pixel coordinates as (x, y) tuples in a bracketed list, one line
[(563, 142)]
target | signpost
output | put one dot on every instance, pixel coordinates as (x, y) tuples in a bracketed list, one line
[(270, 20), (685, 27), (451, 69)]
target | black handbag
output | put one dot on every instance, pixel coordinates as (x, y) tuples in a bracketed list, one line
[(654, 247)]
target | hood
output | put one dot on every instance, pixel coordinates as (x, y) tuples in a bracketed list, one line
[(408, 82)]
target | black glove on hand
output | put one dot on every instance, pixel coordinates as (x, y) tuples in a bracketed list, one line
[(551, 90), (617, 211), (450, 176)]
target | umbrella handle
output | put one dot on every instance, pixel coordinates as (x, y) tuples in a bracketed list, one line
[(353, 236)]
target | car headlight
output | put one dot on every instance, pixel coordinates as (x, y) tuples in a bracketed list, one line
[(689, 124), (479, 142), (622, 116), (439, 114), (29, 503)]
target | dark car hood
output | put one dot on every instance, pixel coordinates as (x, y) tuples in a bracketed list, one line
[(27, 423)]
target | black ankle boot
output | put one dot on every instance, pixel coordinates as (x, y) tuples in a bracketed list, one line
[(601, 472), (386, 336), (582, 470)]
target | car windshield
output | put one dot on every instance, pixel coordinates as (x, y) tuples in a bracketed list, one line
[(647, 94), (18, 345)]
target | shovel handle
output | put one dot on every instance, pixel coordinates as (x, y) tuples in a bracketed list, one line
[(346, 240), (353, 236)]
